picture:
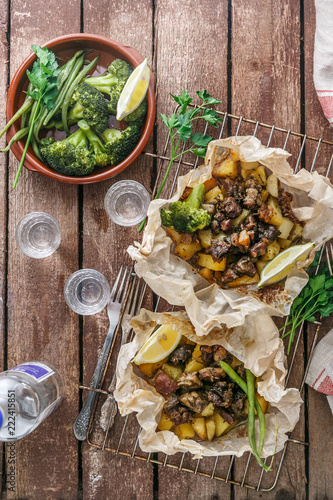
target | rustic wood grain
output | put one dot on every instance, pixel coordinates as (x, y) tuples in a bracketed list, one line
[(4, 67), (191, 54), (319, 414), (40, 325), (104, 249), (266, 86)]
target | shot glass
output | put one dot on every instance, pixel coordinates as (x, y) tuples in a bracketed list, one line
[(87, 292), (126, 203), (38, 235)]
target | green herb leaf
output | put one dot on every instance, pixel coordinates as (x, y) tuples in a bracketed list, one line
[(211, 117), (201, 140), (201, 152), (184, 100), (184, 127)]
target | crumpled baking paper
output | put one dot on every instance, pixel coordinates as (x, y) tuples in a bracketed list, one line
[(209, 305), (262, 354)]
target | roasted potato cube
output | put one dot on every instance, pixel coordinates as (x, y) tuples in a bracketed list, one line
[(244, 238), (149, 369), (260, 266), (244, 280), (210, 427), (186, 251), (296, 232), (173, 371), (210, 184), (249, 165), (284, 243), (211, 195), (221, 425), (285, 228), (261, 175), (208, 411), (207, 274), (197, 354), (193, 366), (205, 237), (227, 168), (264, 194), (263, 403), (165, 423), (184, 431), (272, 251), (250, 173), (206, 260), (174, 235), (272, 185), (276, 218), (235, 362), (199, 425)]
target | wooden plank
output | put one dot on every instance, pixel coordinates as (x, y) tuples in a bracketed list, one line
[(191, 54), (40, 325), (3, 184), (104, 249), (265, 50), (319, 414)]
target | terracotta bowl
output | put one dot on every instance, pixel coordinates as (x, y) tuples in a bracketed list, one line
[(64, 47)]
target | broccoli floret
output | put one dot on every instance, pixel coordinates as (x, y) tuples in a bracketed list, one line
[(70, 156), (187, 216), (113, 82), (120, 143), (89, 104), (138, 116), (101, 154)]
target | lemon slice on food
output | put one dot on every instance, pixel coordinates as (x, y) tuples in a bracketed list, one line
[(134, 91), (280, 267), (158, 346)]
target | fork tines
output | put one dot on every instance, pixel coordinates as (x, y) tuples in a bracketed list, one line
[(329, 257)]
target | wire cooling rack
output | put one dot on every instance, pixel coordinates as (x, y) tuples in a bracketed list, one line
[(123, 437)]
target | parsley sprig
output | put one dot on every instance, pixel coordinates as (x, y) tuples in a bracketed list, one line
[(315, 298), (180, 127), (43, 77)]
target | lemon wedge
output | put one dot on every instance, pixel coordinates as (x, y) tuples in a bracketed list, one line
[(158, 346), (134, 91), (280, 267)]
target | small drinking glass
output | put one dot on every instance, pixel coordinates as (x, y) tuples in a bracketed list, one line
[(126, 203), (38, 235), (87, 292)]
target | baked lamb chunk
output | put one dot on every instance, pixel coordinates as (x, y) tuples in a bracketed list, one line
[(178, 413), (189, 380), (211, 374), (195, 401), (206, 354), (180, 355), (164, 384), (221, 394)]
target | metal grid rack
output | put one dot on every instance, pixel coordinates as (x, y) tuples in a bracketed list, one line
[(307, 152)]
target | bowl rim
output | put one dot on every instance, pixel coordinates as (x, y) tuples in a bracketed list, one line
[(31, 162)]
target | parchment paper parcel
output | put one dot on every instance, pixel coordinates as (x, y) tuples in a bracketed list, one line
[(262, 354), (208, 306)]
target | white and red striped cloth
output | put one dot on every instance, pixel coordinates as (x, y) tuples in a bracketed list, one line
[(323, 56), (320, 374)]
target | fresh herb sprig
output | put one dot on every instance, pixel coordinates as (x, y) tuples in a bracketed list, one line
[(43, 77), (315, 299), (180, 127)]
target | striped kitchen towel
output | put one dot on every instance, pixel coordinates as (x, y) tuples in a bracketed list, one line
[(323, 56), (320, 374)]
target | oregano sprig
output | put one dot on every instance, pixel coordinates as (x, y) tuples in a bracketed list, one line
[(43, 77), (180, 128)]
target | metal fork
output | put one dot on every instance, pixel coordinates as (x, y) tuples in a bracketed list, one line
[(118, 294), (133, 305)]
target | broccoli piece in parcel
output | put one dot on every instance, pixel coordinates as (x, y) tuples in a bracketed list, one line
[(187, 216), (113, 82), (120, 143), (88, 103), (138, 116), (70, 156)]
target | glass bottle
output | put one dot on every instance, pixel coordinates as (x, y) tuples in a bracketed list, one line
[(28, 394)]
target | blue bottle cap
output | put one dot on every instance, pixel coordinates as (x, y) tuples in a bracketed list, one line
[(1, 418)]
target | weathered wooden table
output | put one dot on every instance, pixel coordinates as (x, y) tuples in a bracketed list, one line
[(257, 57)]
